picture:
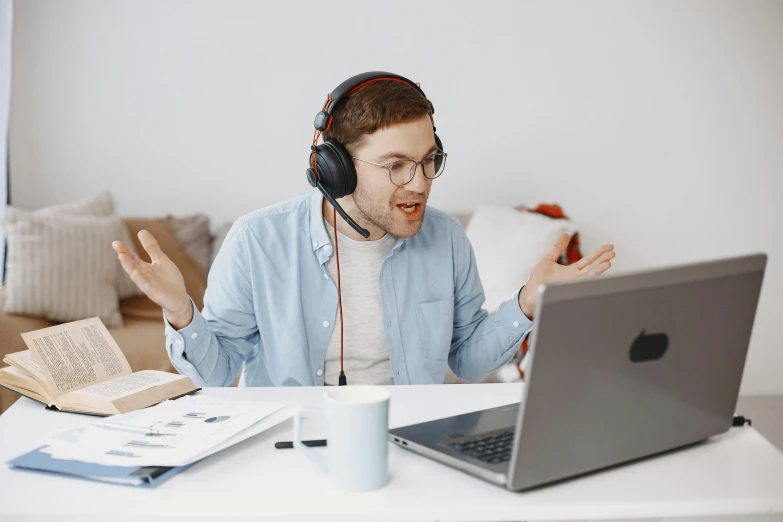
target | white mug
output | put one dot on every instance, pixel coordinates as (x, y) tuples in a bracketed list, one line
[(357, 455)]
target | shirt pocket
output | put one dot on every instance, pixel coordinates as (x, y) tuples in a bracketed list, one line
[(436, 327)]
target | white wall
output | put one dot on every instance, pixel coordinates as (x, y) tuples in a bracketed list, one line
[(658, 125)]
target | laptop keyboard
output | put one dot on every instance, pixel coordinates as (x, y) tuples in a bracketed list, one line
[(492, 449)]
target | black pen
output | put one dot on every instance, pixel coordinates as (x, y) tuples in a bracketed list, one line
[(310, 443)]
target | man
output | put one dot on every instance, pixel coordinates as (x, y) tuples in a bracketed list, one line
[(410, 293)]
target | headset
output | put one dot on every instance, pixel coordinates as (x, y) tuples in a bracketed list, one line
[(331, 168)]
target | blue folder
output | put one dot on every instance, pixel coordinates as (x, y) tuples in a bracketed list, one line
[(141, 476)]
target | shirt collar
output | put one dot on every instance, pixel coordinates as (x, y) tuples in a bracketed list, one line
[(399, 242), (318, 235)]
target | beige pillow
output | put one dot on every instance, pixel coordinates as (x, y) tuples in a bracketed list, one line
[(63, 268), (100, 205)]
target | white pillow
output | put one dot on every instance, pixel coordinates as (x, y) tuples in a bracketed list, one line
[(507, 244)]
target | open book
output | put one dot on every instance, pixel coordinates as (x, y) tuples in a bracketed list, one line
[(78, 367)]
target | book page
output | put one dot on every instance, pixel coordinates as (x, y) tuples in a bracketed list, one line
[(128, 384), (26, 361), (76, 354), (17, 380)]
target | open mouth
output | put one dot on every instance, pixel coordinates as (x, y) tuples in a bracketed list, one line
[(411, 211)]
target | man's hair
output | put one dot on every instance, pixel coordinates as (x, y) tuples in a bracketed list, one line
[(375, 106)]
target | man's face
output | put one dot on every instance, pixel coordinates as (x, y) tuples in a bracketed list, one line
[(398, 210)]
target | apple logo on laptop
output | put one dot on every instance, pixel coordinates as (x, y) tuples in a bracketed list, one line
[(649, 347)]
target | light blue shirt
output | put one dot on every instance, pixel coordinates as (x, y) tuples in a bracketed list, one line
[(271, 304)]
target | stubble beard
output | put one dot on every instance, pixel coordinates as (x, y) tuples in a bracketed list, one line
[(377, 213)]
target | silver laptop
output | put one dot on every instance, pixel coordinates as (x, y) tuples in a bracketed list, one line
[(622, 367)]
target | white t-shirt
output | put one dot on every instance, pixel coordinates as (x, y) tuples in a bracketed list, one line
[(365, 353)]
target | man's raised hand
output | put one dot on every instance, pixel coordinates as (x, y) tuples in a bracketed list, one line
[(160, 280), (595, 263)]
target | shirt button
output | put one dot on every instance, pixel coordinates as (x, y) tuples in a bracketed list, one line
[(193, 335), (315, 244), (319, 373), (327, 249), (179, 341), (325, 324), (515, 324)]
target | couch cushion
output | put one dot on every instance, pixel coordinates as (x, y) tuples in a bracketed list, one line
[(62, 267), (101, 205), (192, 273)]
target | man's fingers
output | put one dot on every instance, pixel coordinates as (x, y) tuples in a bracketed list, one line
[(558, 248), (138, 269), (601, 268), (144, 283), (120, 247), (606, 256), (151, 245), (590, 258), (129, 262)]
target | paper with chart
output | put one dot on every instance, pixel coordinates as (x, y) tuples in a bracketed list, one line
[(173, 433)]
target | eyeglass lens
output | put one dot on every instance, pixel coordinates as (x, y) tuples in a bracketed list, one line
[(402, 172)]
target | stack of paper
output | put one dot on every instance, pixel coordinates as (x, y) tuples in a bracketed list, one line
[(147, 446)]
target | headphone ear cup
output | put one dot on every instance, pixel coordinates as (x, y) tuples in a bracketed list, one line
[(329, 167), (438, 142), (338, 175)]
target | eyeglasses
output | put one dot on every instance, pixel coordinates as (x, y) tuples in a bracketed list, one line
[(402, 172)]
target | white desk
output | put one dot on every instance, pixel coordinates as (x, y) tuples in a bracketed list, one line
[(738, 473)]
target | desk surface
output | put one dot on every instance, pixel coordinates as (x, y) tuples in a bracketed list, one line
[(738, 472)]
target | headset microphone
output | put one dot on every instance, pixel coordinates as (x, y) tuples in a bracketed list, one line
[(312, 177)]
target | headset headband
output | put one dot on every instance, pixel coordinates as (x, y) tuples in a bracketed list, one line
[(323, 120)]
